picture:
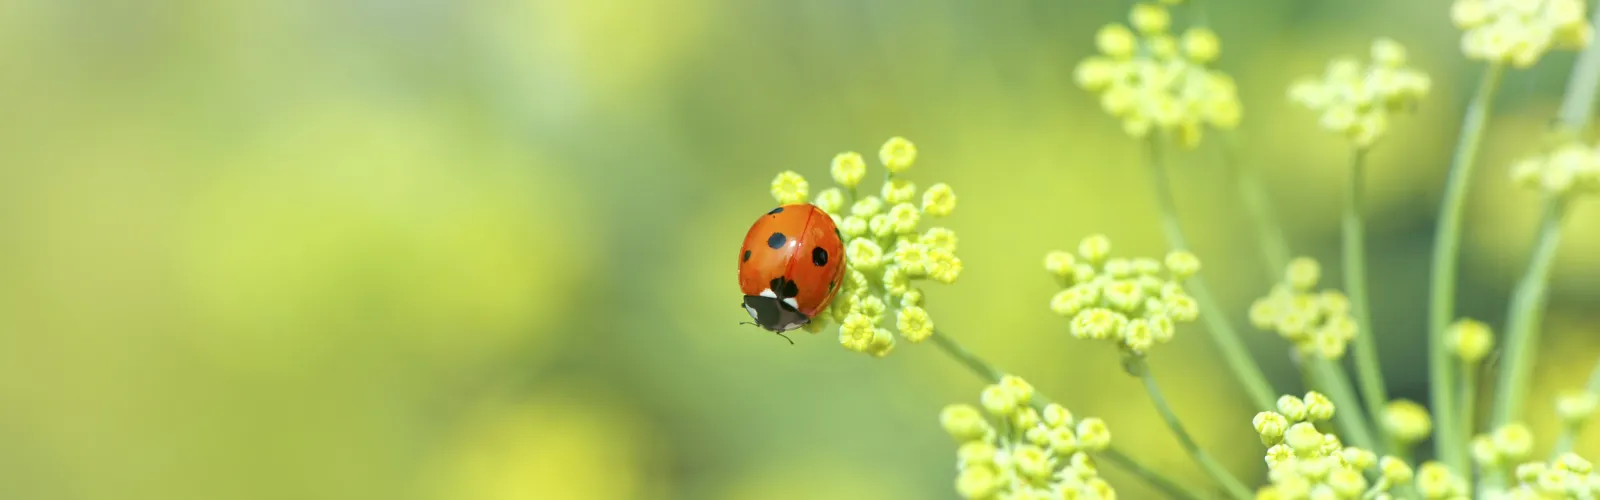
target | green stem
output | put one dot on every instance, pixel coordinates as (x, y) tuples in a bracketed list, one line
[(1137, 366), (1522, 323), (1469, 407), (1447, 240), (1329, 377), (992, 375), (1355, 283), (1569, 433), (1274, 246), (1223, 334)]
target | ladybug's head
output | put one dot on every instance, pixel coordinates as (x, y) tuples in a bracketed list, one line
[(772, 314)]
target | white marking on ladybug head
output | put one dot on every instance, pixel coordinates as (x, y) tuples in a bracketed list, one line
[(752, 311), (768, 293), (792, 303)]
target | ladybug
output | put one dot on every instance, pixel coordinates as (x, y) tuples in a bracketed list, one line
[(790, 267)]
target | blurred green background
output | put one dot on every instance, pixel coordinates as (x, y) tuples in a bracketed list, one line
[(418, 249)]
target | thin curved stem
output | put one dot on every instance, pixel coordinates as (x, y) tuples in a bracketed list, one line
[(1569, 433), (1469, 404), (1522, 323), (1274, 245), (991, 374), (1223, 334), (1373, 393), (1137, 366), (1446, 246)]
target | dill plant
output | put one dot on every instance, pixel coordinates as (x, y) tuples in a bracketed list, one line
[(1157, 82)]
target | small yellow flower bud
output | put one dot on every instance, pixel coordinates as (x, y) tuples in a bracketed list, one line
[(1182, 308), (943, 265), (882, 343), (830, 200), (975, 453), (1095, 248), (856, 332), (867, 207), (1292, 408), (1055, 415), (1388, 53), (1150, 19), (914, 323), (1097, 323), (1407, 421), (1434, 480), (848, 168), (1571, 462), (864, 254), (789, 188), (1271, 426), (1303, 273), (1093, 434), (1318, 406), (998, 400), (1032, 462), (1115, 40), (1469, 339), (897, 154), (1060, 264), (1137, 336), (1347, 483), (903, 218), (977, 482), (1530, 472), (896, 191), (1513, 440), (963, 422), (1304, 438), (1358, 458), (1201, 45), (1395, 470), (1062, 441), (1484, 452), (939, 200), (1020, 389), (1576, 406), (939, 237), (1183, 264), (854, 226)]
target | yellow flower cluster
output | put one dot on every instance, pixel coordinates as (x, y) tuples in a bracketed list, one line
[(1317, 322), (1010, 450), (1509, 444), (1519, 32), (1153, 79), (1571, 476), (1357, 101), (887, 253), (1303, 462), (1133, 302), (1571, 168)]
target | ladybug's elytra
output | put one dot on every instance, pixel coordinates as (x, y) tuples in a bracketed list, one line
[(791, 266)]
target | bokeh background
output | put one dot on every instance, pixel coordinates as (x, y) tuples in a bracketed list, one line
[(483, 250)]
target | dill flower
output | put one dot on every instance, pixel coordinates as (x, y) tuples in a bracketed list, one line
[(1435, 480), (1407, 421), (1153, 82), (1008, 449), (1519, 32), (1318, 323), (887, 254), (1129, 302), (1575, 407), (1571, 168), (1469, 339), (1570, 476), (1303, 462), (1357, 101)]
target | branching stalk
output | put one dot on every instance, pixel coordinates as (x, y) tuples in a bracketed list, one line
[(1137, 366), (1355, 283)]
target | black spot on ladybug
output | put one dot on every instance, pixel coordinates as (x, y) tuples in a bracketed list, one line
[(784, 287), (747, 255), (777, 240), (819, 256), (775, 210)]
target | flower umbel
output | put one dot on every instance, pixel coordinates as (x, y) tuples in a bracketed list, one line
[(1357, 101), (1303, 462), (1135, 303), (887, 254), (1008, 449), (1153, 80), (1571, 168), (1519, 32), (1317, 322)]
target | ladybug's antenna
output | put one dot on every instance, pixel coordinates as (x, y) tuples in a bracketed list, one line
[(785, 337)]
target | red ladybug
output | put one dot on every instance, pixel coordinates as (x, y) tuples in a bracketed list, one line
[(790, 267)]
